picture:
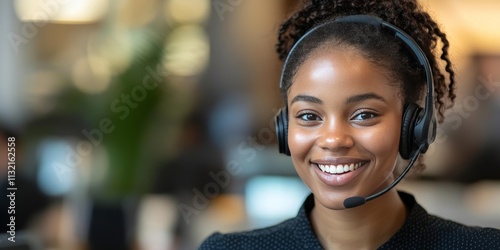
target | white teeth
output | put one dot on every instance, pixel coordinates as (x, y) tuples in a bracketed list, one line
[(339, 169), (333, 170)]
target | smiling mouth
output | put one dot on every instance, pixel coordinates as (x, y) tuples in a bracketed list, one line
[(340, 168)]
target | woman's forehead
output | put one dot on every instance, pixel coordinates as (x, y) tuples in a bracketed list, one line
[(340, 73)]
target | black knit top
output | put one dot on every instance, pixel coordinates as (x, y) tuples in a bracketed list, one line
[(420, 231)]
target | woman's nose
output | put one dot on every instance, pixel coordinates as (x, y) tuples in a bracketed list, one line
[(335, 136)]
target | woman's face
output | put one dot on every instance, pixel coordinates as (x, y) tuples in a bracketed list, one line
[(344, 126)]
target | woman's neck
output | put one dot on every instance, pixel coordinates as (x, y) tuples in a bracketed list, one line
[(364, 227)]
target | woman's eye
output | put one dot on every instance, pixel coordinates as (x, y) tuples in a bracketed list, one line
[(308, 117), (364, 116)]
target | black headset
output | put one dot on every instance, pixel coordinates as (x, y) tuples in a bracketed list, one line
[(418, 124)]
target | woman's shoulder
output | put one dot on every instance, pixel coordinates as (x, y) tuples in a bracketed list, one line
[(436, 224), (454, 235), (263, 238), (294, 233), (426, 231), (449, 227)]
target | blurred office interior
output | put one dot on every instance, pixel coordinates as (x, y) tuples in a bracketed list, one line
[(150, 124)]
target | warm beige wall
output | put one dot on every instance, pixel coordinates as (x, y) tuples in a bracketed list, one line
[(472, 26)]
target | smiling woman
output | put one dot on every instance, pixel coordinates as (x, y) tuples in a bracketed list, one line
[(355, 73)]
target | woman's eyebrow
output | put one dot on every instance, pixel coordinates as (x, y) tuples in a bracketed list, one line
[(306, 98), (363, 97)]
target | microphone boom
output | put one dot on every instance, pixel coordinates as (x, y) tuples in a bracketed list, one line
[(356, 201)]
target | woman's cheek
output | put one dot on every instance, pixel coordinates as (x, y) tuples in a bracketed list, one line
[(299, 141), (378, 141), (383, 142)]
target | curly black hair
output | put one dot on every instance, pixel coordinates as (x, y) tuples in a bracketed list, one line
[(383, 50)]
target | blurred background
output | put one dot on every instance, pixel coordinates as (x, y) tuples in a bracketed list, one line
[(150, 124)]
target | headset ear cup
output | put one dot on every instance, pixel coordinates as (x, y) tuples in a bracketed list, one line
[(281, 121), (407, 141)]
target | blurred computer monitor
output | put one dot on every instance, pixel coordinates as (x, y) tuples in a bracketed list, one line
[(272, 199)]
